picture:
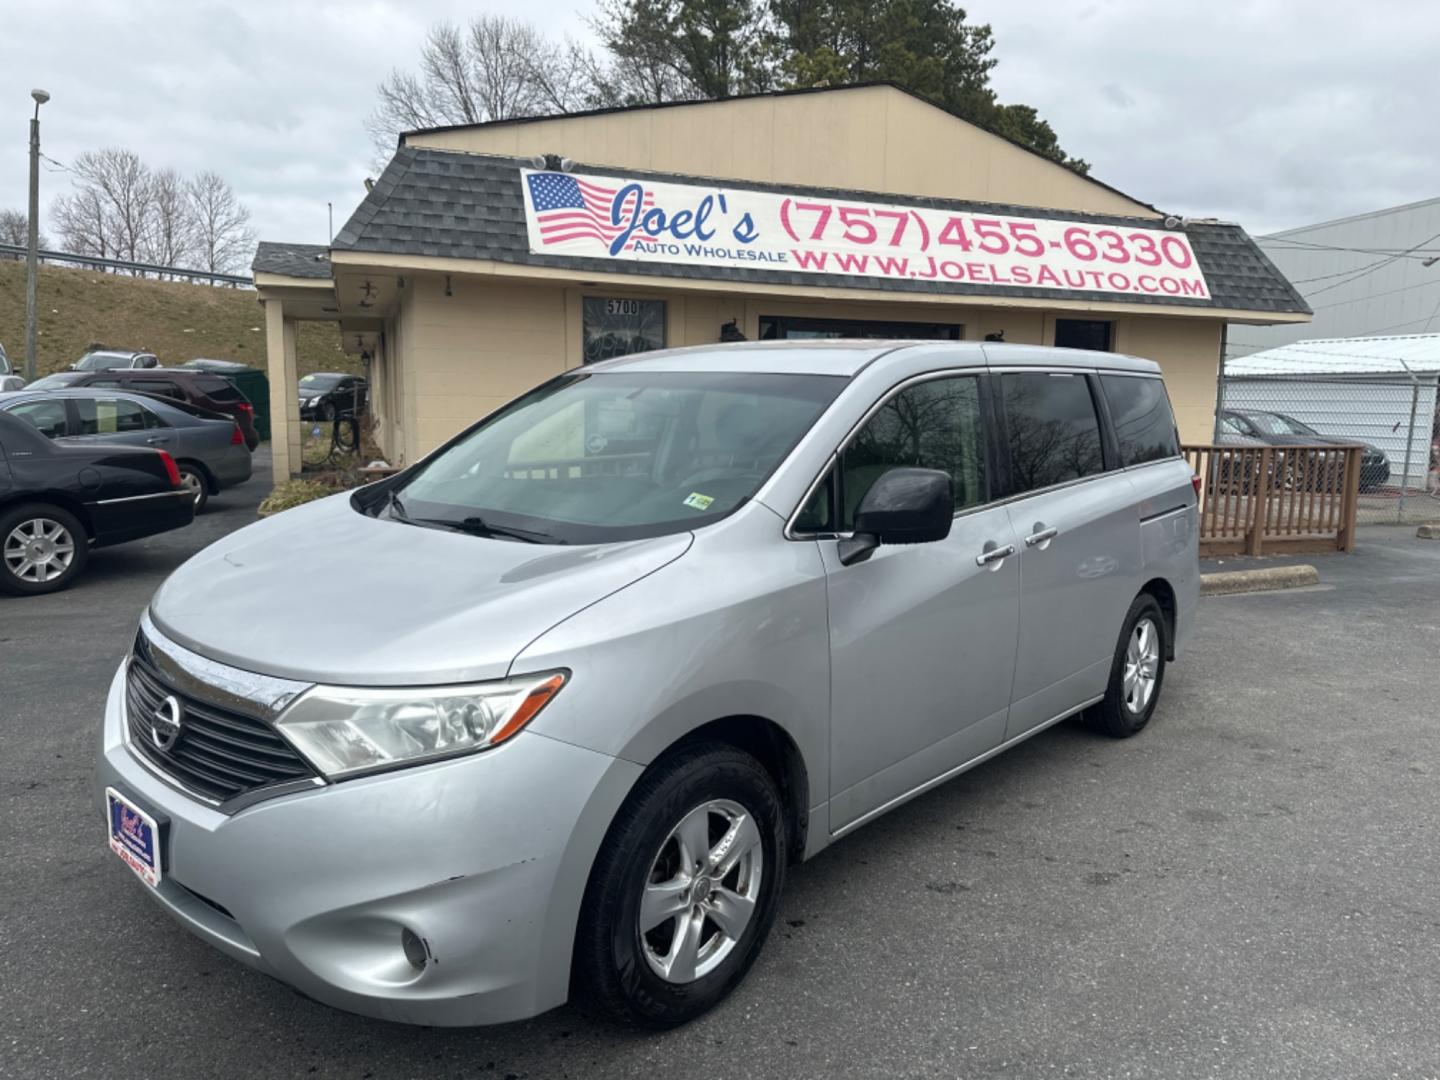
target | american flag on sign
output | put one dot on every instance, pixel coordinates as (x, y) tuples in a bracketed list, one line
[(568, 208)]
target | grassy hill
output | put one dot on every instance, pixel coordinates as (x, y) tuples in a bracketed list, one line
[(177, 322)]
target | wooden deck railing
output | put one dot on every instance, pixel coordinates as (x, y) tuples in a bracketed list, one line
[(1256, 499)]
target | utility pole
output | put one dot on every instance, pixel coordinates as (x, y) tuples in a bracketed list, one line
[(32, 258)]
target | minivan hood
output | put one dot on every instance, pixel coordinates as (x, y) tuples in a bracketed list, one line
[(323, 593)]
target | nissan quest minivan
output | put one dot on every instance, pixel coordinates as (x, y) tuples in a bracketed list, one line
[(622, 652)]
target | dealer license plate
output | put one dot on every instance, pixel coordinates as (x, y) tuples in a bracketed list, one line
[(135, 837)]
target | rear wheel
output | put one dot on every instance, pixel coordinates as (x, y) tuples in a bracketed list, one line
[(42, 549), (1136, 674), (196, 483), (684, 889)]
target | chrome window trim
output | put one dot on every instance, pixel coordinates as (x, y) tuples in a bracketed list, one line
[(914, 380)]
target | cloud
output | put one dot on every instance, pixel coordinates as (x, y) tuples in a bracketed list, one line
[(1267, 113), (1271, 114)]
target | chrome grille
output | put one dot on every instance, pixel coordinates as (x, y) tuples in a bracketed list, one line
[(220, 754)]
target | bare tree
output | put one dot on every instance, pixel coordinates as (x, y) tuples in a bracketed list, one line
[(170, 232), (84, 223), (15, 229), (223, 239), (126, 189), (494, 69)]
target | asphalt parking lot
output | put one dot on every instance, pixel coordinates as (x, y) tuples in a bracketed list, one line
[(1247, 889)]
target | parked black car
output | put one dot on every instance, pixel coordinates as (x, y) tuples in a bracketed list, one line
[(1277, 429), (328, 394), (57, 502), (202, 389)]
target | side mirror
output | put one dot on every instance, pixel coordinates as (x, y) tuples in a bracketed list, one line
[(904, 506)]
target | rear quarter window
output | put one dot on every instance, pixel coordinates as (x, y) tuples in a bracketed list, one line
[(219, 389), (1144, 422)]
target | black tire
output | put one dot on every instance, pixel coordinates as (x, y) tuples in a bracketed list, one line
[(325, 413), (613, 972), (1118, 715), (193, 476), (20, 579)]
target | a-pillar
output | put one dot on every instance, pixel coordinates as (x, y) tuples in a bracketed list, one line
[(284, 388)]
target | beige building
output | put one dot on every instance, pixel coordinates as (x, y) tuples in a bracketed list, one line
[(479, 264)]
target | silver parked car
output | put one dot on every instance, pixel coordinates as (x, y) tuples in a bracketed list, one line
[(629, 648), (209, 448)]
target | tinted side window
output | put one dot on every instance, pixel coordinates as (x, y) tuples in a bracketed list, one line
[(932, 425), (1144, 424), (1053, 430), (109, 416), (218, 389), (48, 417), (160, 387)]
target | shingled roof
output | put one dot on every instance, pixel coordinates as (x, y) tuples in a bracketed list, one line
[(457, 205), (292, 260)]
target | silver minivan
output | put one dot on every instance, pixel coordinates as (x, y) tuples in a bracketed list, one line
[(619, 654)]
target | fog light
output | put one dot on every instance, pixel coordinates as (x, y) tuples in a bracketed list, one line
[(415, 950)]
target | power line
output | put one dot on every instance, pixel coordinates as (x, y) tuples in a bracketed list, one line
[(1433, 282), (1263, 241), (1371, 268)]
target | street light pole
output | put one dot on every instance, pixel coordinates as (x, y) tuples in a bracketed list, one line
[(32, 259)]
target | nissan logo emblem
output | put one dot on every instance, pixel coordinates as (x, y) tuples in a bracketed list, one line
[(165, 723)]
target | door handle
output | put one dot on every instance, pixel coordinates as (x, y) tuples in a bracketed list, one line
[(985, 558), (1041, 536), (153, 439)]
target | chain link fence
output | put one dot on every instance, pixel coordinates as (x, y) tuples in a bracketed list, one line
[(1394, 417)]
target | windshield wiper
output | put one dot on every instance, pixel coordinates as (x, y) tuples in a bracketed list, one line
[(478, 526), (395, 506)]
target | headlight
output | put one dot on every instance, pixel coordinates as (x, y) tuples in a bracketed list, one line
[(347, 730)]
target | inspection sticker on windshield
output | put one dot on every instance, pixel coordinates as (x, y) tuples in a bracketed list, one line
[(696, 501), (135, 837)]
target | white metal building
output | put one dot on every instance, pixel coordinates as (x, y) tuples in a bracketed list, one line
[(1363, 276), (1378, 390)]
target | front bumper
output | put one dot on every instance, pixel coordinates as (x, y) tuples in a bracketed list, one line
[(484, 857)]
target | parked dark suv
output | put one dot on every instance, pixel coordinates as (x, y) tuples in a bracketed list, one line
[(202, 389)]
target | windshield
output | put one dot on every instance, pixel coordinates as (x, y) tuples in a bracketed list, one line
[(102, 361), (1275, 424), (320, 382), (55, 381), (591, 458)]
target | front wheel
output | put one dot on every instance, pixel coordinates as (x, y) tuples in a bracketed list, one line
[(1136, 674), (684, 889)]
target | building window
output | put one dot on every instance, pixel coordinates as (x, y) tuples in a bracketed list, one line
[(780, 327), (618, 327), (1083, 334)]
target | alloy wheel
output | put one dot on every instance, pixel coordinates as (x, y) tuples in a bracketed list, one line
[(1142, 664), (192, 482), (39, 550), (701, 892)]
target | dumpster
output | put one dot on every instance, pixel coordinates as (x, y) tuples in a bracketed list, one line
[(250, 381)]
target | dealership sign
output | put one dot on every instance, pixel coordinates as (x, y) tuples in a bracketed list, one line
[(643, 222)]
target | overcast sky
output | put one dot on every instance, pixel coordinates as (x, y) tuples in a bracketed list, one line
[(1273, 114)]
